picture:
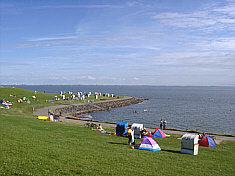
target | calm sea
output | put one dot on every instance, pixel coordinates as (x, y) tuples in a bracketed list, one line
[(208, 109)]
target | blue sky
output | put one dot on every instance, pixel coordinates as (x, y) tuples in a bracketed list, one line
[(139, 42)]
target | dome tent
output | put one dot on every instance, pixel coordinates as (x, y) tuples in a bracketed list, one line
[(158, 133), (207, 141), (149, 143)]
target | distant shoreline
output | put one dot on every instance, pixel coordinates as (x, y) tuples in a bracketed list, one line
[(17, 85)]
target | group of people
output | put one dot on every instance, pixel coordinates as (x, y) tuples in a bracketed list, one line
[(163, 124), (145, 132), (131, 137)]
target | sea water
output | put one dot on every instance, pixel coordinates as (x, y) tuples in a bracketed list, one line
[(208, 109)]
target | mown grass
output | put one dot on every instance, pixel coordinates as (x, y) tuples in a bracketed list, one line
[(32, 147)]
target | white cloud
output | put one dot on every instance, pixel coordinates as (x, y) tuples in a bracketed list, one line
[(52, 38), (227, 9), (197, 19), (94, 6), (45, 43), (203, 19), (87, 77), (135, 78), (136, 47), (219, 44), (223, 44), (91, 77)]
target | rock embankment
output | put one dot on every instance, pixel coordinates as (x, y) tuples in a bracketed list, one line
[(96, 106)]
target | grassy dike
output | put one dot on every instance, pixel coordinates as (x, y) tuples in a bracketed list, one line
[(32, 147)]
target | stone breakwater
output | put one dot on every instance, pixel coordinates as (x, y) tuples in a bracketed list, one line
[(84, 108)]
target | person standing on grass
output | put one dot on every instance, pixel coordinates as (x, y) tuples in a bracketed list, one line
[(164, 124), (133, 136), (129, 134), (161, 123)]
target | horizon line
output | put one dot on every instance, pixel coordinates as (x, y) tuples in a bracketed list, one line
[(116, 85)]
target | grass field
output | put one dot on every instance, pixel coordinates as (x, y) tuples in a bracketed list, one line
[(32, 147)]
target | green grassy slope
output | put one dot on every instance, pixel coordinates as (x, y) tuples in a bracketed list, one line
[(32, 147)]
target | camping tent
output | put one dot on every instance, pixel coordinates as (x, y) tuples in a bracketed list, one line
[(137, 129), (121, 128), (149, 143), (207, 141), (159, 133)]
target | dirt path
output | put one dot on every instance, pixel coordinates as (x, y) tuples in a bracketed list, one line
[(218, 138), (44, 112)]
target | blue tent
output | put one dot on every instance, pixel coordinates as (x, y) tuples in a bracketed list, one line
[(121, 128), (159, 133)]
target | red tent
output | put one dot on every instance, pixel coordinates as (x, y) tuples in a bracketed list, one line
[(207, 141)]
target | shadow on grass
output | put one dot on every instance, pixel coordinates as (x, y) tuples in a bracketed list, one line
[(172, 151), (118, 143)]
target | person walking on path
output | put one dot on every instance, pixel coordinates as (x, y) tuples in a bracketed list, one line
[(164, 124)]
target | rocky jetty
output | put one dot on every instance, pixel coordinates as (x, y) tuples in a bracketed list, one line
[(96, 106)]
